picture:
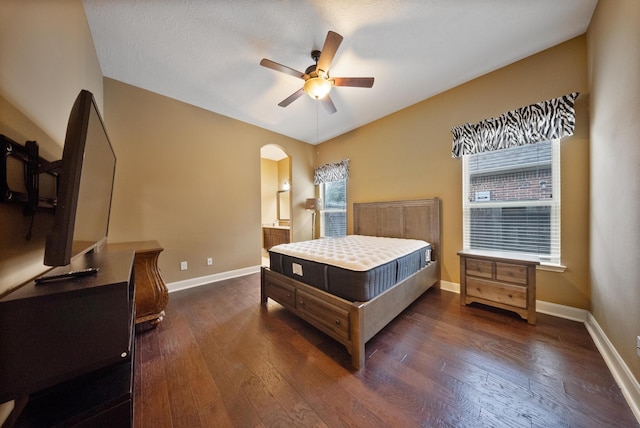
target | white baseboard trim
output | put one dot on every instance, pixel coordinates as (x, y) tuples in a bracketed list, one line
[(618, 368), (196, 282), (561, 311), (450, 286)]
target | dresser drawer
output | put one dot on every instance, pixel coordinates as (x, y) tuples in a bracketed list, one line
[(332, 318), (511, 273), (513, 295), (480, 268)]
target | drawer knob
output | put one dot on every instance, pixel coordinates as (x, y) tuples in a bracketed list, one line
[(337, 322), (301, 302), (510, 296)]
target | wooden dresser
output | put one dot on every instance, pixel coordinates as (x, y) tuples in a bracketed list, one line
[(499, 280), (275, 236), (152, 295), (68, 347)]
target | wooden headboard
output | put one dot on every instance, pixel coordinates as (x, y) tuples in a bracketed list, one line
[(414, 219)]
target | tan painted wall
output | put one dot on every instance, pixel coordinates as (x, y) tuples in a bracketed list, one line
[(284, 199), (269, 186), (408, 155), (284, 172), (46, 58), (190, 179), (614, 70)]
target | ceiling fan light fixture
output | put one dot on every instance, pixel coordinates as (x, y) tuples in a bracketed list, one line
[(317, 83), (317, 87)]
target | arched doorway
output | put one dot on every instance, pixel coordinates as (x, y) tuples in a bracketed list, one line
[(275, 179)]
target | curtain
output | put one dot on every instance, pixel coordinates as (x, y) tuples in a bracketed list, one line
[(331, 172), (543, 121)]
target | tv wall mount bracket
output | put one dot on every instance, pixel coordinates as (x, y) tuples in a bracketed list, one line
[(33, 165)]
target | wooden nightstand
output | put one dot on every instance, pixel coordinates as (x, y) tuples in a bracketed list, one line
[(499, 280), (152, 295)]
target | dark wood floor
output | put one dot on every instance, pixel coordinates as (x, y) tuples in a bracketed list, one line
[(220, 359)]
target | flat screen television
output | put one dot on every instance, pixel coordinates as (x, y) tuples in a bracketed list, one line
[(85, 185)]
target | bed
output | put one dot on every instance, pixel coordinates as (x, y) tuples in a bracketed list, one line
[(349, 321)]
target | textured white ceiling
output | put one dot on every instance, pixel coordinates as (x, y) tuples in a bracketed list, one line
[(207, 53)]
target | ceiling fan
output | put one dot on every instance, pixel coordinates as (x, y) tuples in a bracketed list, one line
[(317, 82)]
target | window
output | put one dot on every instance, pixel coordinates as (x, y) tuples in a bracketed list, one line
[(511, 200), (332, 178), (333, 220)]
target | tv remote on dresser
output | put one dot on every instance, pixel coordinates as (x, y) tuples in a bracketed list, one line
[(67, 275)]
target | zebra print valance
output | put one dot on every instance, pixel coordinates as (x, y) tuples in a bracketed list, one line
[(543, 121), (331, 172)]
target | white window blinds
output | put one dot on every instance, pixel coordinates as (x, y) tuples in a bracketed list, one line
[(511, 201), (332, 178), (334, 213)]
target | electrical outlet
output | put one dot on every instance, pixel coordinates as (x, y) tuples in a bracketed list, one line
[(209, 261), (183, 265)]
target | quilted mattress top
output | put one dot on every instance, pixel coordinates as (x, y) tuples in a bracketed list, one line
[(353, 252)]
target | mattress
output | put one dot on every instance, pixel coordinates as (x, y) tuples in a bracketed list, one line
[(354, 267)]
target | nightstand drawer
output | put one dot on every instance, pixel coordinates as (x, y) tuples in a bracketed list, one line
[(511, 273), (480, 268), (507, 294)]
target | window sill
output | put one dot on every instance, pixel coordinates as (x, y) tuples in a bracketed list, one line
[(551, 267), (543, 265)]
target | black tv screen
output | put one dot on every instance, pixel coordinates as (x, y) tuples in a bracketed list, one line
[(85, 185)]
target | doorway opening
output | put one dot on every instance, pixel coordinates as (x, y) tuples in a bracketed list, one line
[(275, 178)]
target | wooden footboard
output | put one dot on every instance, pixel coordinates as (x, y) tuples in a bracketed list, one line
[(350, 323)]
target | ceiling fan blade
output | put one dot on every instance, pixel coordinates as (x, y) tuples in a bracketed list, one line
[(328, 104), (360, 82), (282, 68), (331, 45), (291, 98)]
